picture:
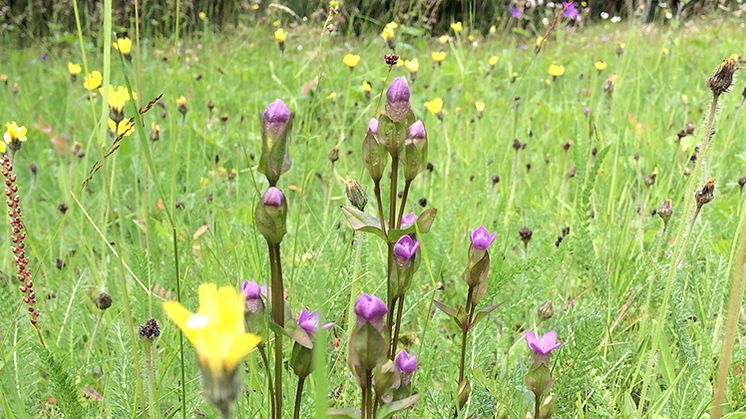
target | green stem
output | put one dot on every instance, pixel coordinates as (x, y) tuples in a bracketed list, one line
[(379, 204), (278, 316), (394, 341), (181, 334), (403, 202), (298, 396), (464, 333), (265, 360)]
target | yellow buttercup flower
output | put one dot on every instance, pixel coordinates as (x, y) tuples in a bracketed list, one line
[(412, 66), (276, 23), (539, 41), (123, 45), (492, 61), (351, 60), (202, 16), (366, 87), (556, 70), (281, 35), (443, 39), (124, 128), (255, 7), (479, 106), (471, 38), (387, 34), (117, 97), (4, 78), (392, 25), (665, 51), (457, 27), (435, 106), (74, 69), (14, 132), (332, 97), (600, 65), (216, 330), (93, 80), (493, 29), (438, 56)]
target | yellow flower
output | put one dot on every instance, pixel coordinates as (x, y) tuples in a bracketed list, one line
[(479, 106), (492, 61), (4, 78), (539, 41), (3, 147), (124, 128), (351, 60), (600, 65), (123, 45), (93, 80), (443, 39), (435, 106), (471, 38), (556, 70), (439, 56), (392, 25), (216, 330), (14, 132), (665, 51), (255, 7), (181, 101), (493, 29), (457, 27), (202, 16), (387, 34), (332, 96), (276, 23), (366, 87), (117, 98), (412, 66), (281, 35), (513, 76), (74, 69)]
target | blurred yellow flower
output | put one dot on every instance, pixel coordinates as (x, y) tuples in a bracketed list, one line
[(4, 78), (366, 87), (556, 70), (479, 106), (435, 106), (665, 51), (387, 34), (392, 25), (124, 128), (492, 61), (351, 60), (123, 45), (539, 41), (202, 16), (513, 76), (276, 23), (216, 330), (281, 35), (255, 6), (439, 56), (332, 96), (471, 38), (74, 69), (117, 97), (457, 27), (493, 29), (93, 80), (412, 66), (600, 65), (14, 132), (443, 39), (181, 101)]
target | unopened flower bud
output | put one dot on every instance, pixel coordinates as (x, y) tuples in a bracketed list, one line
[(722, 79), (525, 234), (397, 99), (270, 215), (355, 194), (665, 211), (276, 122), (374, 152), (706, 194), (415, 151), (370, 309), (406, 365), (546, 310), (149, 330)]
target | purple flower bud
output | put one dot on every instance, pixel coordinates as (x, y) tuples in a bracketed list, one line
[(277, 112), (373, 126), (544, 344), (372, 309), (405, 248), (44, 57), (252, 291), (417, 130), (406, 365), (408, 219), (273, 197), (398, 91), (586, 111), (481, 239), (515, 12), (308, 321), (570, 10)]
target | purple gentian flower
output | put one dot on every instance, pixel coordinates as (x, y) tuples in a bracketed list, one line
[(406, 365), (515, 12), (417, 130), (44, 57), (277, 112), (405, 248), (398, 91), (408, 219), (252, 291), (371, 309), (570, 10), (543, 345), (309, 322), (481, 239), (373, 126), (273, 197)]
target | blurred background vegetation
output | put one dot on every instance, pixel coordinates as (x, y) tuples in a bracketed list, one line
[(27, 20)]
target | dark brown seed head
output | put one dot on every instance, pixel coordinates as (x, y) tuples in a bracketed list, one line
[(429, 166), (34, 168), (742, 181), (62, 208), (665, 211), (566, 145), (572, 171), (495, 179), (517, 145), (650, 179), (722, 79), (422, 202), (224, 117), (149, 330), (525, 234), (103, 301), (565, 231), (391, 59), (545, 310), (333, 155), (706, 194), (689, 128), (210, 105)]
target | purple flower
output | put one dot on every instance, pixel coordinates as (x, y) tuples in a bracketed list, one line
[(309, 322), (277, 112), (372, 309), (405, 248), (544, 344), (570, 10), (252, 291), (44, 57), (406, 365), (586, 111), (417, 130), (373, 126), (398, 91), (273, 197), (481, 239), (408, 219), (515, 12)]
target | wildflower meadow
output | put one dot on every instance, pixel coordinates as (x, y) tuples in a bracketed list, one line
[(373, 209)]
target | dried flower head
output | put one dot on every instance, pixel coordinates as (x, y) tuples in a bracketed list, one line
[(355, 194), (525, 234), (706, 194), (149, 330), (721, 81), (665, 211)]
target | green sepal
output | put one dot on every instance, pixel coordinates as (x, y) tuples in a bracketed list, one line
[(390, 409), (275, 159), (424, 223), (362, 221)]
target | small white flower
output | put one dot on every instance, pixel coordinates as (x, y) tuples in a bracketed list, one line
[(545, 21), (616, 19), (669, 15), (604, 15)]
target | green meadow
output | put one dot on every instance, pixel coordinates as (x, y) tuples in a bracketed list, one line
[(584, 160)]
